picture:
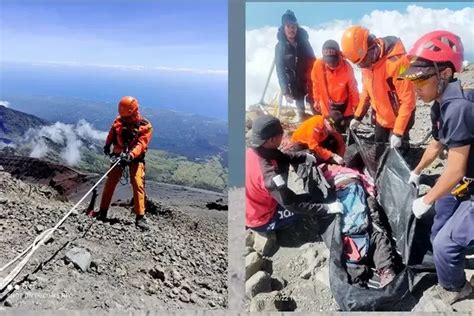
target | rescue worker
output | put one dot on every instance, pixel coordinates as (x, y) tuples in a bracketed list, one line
[(334, 84), (392, 100), (130, 135), (436, 56), (270, 204), (294, 58), (318, 135)]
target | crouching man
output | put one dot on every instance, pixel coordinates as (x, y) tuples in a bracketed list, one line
[(270, 204)]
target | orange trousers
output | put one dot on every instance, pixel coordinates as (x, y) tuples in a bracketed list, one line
[(137, 178)]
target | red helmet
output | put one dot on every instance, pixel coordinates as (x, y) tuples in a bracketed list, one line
[(440, 46), (128, 106)]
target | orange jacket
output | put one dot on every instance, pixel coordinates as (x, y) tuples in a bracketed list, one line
[(342, 86), (384, 92), (314, 132), (135, 136)]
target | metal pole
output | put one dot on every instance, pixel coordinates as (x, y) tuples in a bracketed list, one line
[(262, 100)]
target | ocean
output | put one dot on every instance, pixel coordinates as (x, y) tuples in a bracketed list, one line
[(202, 94)]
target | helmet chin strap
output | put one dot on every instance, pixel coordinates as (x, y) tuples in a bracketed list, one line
[(442, 83)]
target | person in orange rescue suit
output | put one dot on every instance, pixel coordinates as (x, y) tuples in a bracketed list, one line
[(321, 137), (130, 135), (393, 101), (334, 84)]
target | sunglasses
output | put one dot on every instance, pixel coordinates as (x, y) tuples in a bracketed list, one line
[(422, 81)]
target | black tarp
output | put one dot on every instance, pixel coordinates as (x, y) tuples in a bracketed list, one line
[(411, 236)]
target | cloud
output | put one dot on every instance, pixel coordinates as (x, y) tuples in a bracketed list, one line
[(193, 70), (408, 25), (5, 103), (85, 130), (133, 67), (70, 138), (39, 149)]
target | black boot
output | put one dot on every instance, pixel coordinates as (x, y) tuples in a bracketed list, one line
[(141, 222), (102, 215)]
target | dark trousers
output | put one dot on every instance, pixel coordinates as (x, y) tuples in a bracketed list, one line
[(281, 219), (381, 251), (444, 209), (382, 138), (451, 235), (300, 105)]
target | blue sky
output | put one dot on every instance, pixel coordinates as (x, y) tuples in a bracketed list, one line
[(174, 34), (324, 20), (260, 14)]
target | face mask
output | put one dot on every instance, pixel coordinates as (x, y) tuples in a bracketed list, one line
[(370, 58)]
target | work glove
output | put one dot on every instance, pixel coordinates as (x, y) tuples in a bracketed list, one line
[(310, 159), (126, 157), (107, 150), (414, 179), (338, 159), (395, 141), (354, 124), (335, 208), (419, 207)]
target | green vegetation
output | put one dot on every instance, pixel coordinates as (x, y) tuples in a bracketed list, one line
[(164, 167), (160, 166)]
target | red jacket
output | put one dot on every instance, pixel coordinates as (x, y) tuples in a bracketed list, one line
[(262, 195), (392, 100), (135, 136), (341, 86), (314, 134)]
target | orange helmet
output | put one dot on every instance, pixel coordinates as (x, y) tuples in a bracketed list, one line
[(355, 43), (127, 106)]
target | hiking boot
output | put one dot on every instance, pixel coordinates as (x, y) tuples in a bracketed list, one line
[(102, 215), (141, 223), (386, 276), (451, 296)]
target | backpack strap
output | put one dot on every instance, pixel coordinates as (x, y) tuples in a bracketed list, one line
[(331, 101)]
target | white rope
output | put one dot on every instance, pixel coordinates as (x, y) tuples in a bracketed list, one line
[(25, 251), (43, 237)]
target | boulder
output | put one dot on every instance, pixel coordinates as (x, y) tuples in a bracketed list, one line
[(265, 243), (258, 283), (253, 263), (80, 257)]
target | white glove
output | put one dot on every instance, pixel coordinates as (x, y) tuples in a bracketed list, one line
[(419, 207), (335, 208), (310, 159), (338, 159), (354, 124), (414, 179), (395, 141)]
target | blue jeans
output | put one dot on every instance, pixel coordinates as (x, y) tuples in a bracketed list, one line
[(280, 219), (450, 242)]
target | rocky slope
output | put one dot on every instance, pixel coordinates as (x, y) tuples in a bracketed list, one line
[(181, 263)]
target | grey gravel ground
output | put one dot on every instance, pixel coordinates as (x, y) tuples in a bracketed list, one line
[(181, 263)]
